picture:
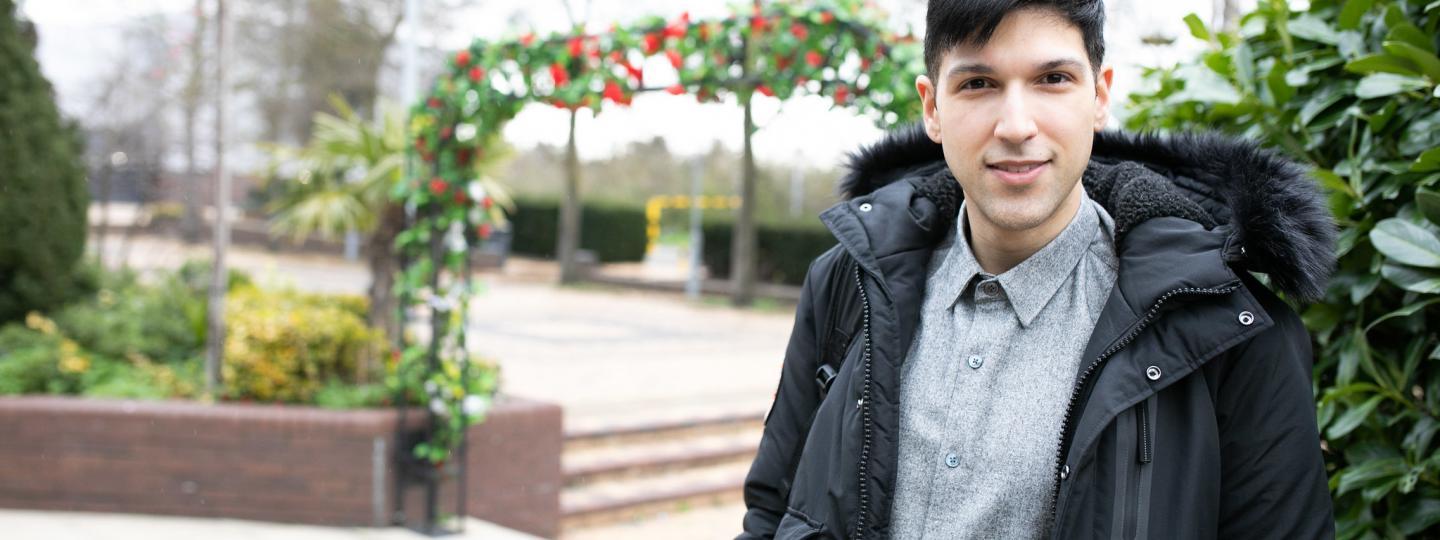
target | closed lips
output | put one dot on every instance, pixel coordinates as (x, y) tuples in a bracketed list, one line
[(1017, 167)]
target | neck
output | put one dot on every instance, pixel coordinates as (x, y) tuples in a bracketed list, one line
[(998, 250)]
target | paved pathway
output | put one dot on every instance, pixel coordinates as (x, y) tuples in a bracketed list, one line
[(607, 355)]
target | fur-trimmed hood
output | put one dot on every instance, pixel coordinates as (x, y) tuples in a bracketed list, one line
[(1275, 210)]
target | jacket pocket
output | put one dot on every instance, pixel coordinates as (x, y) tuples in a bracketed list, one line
[(798, 526), (1134, 463)]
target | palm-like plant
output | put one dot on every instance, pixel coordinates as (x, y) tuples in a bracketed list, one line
[(342, 180)]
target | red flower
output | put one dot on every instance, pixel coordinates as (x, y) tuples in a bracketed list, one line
[(826, 17), (487, 202), (757, 24), (462, 58), (577, 47), (527, 39), (434, 103), (635, 72), (618, 58), (675, 59), (595, 52), (613, 93), (782, 62), (476, 74), (438, 186), (558, 73), (445, 132), (764, 90), (460, 197), (558, 104), (798, 30), (463, 156), (484, 230), (677, 28), (676, 89), (813, 58), (652, 43), (842, 94)]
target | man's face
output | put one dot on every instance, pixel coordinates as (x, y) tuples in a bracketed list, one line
[(1017, 118)]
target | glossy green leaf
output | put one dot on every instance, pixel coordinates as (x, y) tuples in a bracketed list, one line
[(1406, 243), (1428, 202), (1352, 418), (1409, 33), (1415, 516), (1314, 29), (1351, 13), (1408, 310), (1428, 161), (1387, 84), (1382, 63), (1426, 60), (1421, 280), (1197, 27)]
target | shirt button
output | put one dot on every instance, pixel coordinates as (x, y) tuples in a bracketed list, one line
[(975, 362), (952, 460), (990, 288)]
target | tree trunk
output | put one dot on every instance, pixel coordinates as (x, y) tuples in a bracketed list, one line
[(190, 219), (219, 274), (742, 247), (569, 238), (384, 264)]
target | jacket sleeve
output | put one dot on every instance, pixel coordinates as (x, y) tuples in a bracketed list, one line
[(1273, 482), (767, 486)]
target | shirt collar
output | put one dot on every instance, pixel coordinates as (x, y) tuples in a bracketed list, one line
[(1030, 285)]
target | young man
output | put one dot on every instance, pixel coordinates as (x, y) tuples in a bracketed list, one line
[(1058, 334)]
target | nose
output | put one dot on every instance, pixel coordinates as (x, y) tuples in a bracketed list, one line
[(1016, 125)]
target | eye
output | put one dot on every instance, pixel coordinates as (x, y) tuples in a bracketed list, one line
[(974, 84), (1056, 78)]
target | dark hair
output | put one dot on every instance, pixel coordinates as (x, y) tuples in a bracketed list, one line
[(952, 23)]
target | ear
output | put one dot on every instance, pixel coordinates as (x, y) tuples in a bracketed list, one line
[(1103, 80), (926, 88)]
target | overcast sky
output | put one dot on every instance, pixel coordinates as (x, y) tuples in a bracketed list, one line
[(79, 38)]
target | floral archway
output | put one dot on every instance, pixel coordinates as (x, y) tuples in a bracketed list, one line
[(839, 49)]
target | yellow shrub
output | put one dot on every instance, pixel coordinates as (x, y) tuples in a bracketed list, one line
[(284, 345)]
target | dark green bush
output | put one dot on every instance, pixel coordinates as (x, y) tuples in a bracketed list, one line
[(783, 250), (43, 195), (1349, 87), (615, 231)]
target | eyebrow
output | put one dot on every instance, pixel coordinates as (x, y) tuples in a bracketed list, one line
[(984, 69)]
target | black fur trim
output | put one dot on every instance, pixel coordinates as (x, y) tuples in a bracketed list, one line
[(1277, 212)]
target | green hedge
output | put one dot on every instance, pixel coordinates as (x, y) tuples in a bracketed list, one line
[(615, 231), (784, 250), (1349, 88)]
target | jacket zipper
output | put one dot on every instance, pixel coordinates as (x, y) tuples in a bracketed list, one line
[(1065, 426), (1143, 415), (864, 410)]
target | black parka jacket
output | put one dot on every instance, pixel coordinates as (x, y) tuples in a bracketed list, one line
[(1192, 414)]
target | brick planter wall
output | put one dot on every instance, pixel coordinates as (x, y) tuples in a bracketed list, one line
[(263, 462)]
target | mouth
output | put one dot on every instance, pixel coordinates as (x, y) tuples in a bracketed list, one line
[(1017, 173)]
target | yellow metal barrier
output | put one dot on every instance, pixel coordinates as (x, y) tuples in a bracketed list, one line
[(659, 203)]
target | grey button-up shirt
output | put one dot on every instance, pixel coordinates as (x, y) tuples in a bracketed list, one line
[(984, 388)]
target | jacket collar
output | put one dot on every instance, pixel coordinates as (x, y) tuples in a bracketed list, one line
[(1204, 203)]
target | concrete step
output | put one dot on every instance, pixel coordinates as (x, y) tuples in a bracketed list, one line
[(660, 457), (641, 498), (662, 430)]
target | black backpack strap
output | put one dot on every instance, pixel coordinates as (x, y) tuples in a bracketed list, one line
[(842, 320)]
